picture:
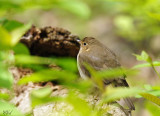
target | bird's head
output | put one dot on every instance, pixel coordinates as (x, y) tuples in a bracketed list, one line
[(86, 43)]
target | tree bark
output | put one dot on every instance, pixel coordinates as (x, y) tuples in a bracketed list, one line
[(49, 41)]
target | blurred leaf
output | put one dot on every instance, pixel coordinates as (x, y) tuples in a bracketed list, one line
[(156, 87), (5, 39), (115, 73), (35, 63), (81, 85), (143, 57), (21, 49), (8, 40), (49, 75), (6, 107), (33, 67), (99, 76), (4, 96), (27, 59), (111, 73), (152, 108), (42, 96), (75, 6), (151, 97), (95, 76), (124, 23), (29, 114), (42, 92), (112, 94), (66, 63), (10, 25), (18, 32), (148, 87), (155, 93), (151, 90), (154, 15), (81, 108), (9, 4), (6, 79), (155, 63), (6, 58)]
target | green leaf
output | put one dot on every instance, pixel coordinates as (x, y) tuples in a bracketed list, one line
[(153, 109), (27, 59), (143, 57), (156, 87), (21, 49), (155, 63), (10, 25), (155, 93), (49, 75), (4, 96), (43, 92), (7, 109), (148, 87), (82, 85), (112, 94), (6, 79), (42, 96), (66, 63), (5, 39), (77, 7), (6, 58), (115, 73), (10, 39), (124, 23), (81, 108), (29, 114), (155, 90), (112, 73), (98, 76), (151, 97), (95, 76), (154, 15), (18, 33)]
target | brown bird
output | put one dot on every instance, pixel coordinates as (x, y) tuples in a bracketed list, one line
[(99, 57)]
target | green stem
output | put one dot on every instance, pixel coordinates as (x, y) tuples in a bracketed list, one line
[(154, 69)]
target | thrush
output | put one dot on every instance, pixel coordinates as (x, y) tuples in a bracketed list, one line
[(99, 57)]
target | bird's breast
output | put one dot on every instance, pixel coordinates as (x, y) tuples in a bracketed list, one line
[(81, 72)]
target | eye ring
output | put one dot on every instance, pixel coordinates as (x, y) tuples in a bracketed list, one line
[(84, 44)]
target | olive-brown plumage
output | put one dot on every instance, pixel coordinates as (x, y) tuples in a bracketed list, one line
[(100, 57)]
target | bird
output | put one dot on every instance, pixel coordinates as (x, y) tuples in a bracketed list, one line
[(100, 57)]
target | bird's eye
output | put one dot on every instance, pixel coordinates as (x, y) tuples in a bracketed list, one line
[(84, 44)]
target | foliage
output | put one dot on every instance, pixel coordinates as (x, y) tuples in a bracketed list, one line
[(74, 6), (145, 57), (151, 97), (7, 109), (135, 16), (152, 108)]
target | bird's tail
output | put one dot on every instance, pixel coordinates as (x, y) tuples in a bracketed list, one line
[(127, 105)]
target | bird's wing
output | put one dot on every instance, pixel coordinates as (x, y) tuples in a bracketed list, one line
[(121, 82)]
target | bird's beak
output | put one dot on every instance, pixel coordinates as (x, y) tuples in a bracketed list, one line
[(79, 41)]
